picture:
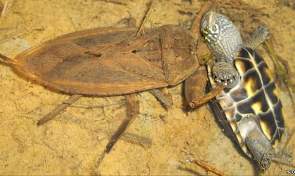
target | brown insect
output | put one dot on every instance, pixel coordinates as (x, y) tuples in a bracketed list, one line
[(110, 62)]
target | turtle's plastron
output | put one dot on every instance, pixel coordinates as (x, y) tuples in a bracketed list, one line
[(253, 108)]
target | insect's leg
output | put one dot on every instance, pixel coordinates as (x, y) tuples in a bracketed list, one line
[(196, 83), (195, 86), (132, 112), (58, 109), (163, 95)]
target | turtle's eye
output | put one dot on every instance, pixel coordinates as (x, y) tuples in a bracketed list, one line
[(204, 31), (207, 34), (211, 33), (214, 29)]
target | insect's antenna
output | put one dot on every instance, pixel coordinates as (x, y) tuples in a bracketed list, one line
[(6, 60)]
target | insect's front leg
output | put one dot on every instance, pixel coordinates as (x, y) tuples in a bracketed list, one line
[(196, 83), (195, 86)]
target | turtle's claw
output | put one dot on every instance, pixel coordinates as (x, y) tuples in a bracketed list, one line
[(225, 72)]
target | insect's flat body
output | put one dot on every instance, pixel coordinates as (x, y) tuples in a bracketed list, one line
[(103, 62)]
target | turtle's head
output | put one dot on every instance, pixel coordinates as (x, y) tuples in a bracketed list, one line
[(210, 26), (221, 35)]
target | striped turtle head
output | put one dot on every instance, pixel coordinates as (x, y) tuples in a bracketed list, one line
[(221, 35)]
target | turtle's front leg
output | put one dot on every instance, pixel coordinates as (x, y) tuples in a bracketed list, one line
[(257, 37), (225, 72)]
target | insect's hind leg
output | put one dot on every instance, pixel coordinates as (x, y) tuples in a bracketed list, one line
[(58, 109), (132, 106)]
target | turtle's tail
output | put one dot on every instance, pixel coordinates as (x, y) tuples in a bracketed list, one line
[(6, 60)]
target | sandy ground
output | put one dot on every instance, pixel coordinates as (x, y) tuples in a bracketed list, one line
[(159, 140)]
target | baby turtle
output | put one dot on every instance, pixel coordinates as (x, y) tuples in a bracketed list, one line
[(250, 101)]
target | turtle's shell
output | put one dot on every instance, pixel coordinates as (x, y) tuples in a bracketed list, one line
[(254, 94)]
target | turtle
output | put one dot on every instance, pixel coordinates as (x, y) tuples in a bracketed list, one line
[(250, 100)]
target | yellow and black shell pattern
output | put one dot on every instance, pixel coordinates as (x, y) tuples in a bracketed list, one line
[(254, 94)]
